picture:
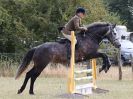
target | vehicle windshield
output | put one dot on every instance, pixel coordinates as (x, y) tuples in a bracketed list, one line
[(126, 44)]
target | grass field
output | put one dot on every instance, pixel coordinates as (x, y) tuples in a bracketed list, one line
[(52, 84), (56, 88)]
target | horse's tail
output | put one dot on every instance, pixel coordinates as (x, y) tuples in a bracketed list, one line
[(25, 62)]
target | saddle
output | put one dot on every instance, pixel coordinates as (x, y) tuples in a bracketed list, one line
[(63, 40), (68, 47)]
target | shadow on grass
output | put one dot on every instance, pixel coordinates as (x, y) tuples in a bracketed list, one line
[(80, 96)]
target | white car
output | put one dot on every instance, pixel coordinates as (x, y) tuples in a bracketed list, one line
[(124, 38), (126, 51)]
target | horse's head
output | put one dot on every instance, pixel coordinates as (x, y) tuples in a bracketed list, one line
[(100, 30), (111, 36)]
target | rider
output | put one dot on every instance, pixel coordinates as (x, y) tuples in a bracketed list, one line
[(74, 24)]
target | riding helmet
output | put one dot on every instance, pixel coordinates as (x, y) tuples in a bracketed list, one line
[(80, 10)]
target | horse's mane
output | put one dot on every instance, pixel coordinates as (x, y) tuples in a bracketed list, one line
[(93, 27), (97, 24)]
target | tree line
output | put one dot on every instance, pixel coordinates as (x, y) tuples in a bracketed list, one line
[(124, 8), (28, 23)]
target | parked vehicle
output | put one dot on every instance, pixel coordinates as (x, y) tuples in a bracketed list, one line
[(131, 36), (121, 32), (125, 39), (126, 51), (126, 45)]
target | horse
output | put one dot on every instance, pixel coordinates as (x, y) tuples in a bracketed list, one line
[(56, 52)]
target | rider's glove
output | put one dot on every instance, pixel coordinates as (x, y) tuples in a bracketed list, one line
[(84, 28)]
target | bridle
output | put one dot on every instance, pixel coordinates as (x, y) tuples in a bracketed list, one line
[(101, 37), (114, 40)]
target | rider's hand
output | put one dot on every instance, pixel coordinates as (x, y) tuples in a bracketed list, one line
[(84, 28)]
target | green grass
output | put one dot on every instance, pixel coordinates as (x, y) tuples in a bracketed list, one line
[(56, 88)]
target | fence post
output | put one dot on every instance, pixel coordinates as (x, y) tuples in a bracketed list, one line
[(131, 61), (119, 64)]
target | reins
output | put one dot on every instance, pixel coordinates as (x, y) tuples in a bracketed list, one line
[(91, 35)]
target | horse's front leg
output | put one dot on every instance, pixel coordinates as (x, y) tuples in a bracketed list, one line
[(106, 63)]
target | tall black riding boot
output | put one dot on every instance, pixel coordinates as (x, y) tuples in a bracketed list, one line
[(77, 45), (68, 46)]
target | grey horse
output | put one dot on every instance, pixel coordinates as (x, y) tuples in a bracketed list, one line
[(56, 52)]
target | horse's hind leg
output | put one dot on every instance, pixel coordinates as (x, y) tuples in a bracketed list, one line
[(28, 75), (33, 74), (36, 72)]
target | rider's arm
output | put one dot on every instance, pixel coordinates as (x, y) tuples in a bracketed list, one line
[(77, 25)]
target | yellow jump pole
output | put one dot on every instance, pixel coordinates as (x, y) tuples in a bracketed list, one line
[(71, 82), (93, 64)]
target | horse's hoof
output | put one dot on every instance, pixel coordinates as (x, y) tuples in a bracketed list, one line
[(107, 68), (100, 70), (19, 92), (31, 93), (106, 71)]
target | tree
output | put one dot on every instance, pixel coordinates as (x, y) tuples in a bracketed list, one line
[(124, 8), (97, 11), (27, 23)]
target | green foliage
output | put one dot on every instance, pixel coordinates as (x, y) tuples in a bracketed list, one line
[(97, 11), (124, 8), (27, 23)]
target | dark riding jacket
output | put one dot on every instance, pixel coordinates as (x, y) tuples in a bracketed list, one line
[(73, 25)]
